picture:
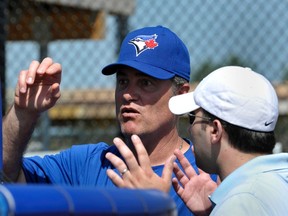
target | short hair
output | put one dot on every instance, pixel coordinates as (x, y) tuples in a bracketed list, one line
[(246, 140), (177, 82)]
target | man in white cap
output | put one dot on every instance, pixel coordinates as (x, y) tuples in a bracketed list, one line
[(233, 113)]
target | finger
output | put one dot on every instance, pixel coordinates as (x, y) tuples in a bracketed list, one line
[(54, 68), (115, 178), (127, 154), (192, 148), (45, 64), (21, 85), (168, 169), (117, 162), (177, 187), (52, 95), (189, 170), (218, 180), (180, 175), (142, 154), (167, 174), (32, 72), (202, 172), (55, 91)]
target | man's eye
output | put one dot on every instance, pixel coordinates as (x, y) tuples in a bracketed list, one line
[(121, 82), (146, 82)]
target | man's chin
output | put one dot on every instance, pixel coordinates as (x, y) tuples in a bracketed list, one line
[(133, 126), (128, 131)]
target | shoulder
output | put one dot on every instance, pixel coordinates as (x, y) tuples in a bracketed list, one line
[(88, 147), (86, 150), (264, 193), (242, 204)]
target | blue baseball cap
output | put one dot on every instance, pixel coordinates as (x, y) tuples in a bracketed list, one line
[(155, 51)]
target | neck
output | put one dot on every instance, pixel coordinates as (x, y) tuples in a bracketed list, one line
[(160, 148), (233, 159)]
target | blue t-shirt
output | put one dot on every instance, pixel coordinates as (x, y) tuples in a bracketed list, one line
[(86, 165)]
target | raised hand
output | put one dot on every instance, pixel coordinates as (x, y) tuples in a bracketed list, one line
[(138, 173), (38, 88), (193, 188)]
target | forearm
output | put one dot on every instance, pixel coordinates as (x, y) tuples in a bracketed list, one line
[(18, 126)]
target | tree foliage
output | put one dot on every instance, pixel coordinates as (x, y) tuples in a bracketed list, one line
[(208, 66)]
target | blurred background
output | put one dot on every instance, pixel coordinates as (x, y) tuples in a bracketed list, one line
[(85, 35)]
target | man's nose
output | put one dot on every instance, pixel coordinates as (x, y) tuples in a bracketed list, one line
[(131, 93)]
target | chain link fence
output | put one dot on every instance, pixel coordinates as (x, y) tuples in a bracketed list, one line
[(85, 35)]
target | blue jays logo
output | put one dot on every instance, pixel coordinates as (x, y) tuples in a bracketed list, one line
[(144, 42)]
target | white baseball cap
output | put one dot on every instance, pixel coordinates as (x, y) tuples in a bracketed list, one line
[(234, 94)]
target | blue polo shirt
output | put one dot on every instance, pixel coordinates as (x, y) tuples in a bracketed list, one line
[(259, 187), (86, 165)]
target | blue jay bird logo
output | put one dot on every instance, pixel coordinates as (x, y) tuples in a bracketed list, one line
[(144, 42)]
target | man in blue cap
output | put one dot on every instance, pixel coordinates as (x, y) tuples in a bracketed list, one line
[(153, 66)]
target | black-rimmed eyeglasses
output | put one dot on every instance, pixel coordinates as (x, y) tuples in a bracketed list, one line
[(192, 117)]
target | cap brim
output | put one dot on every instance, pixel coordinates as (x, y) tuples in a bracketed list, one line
[(144, 68), (183, 103)]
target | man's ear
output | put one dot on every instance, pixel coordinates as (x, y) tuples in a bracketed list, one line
[(216, 131), (184, 88)]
